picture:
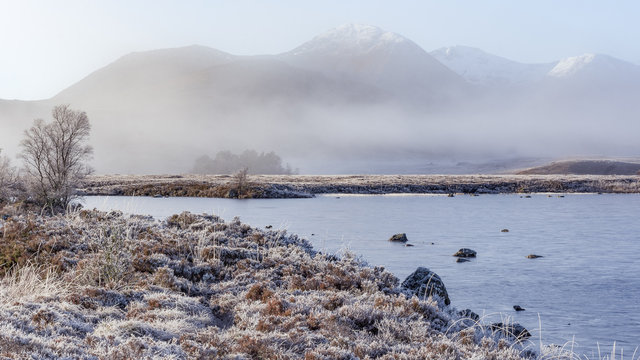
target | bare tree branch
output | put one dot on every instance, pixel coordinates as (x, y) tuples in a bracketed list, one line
[(55, 156), (8, 179)]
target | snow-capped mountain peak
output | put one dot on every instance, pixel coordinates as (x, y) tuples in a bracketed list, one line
[(480, 67), (596, 65), (571, 65), (376, 57), (354, 37), (360, 33)]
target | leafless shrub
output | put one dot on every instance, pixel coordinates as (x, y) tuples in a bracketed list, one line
[(114, 256), (240, 187), (55, 156), (108, 262), (8, 179)]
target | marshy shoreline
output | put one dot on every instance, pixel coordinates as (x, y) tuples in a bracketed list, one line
[(94, 285), (297, 186)]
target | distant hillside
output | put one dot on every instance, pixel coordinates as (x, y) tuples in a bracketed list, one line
[(479, 67), (355, 99), (585, 167)]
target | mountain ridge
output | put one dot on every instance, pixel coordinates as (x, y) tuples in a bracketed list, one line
[(353, 93)]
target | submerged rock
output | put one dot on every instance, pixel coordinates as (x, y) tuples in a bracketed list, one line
[(533, 256), (461, 260), (424, 283), (504, 230), (399, 238), (467, 313), (408, 245), (468, 318), (514, 330), (464, 252)]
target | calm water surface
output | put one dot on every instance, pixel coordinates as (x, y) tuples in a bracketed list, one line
[(586, 288)]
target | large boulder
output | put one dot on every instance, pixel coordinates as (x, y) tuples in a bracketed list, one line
[(399, 238), (424, 283)]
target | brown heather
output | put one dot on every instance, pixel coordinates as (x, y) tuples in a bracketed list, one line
[(95, 285)]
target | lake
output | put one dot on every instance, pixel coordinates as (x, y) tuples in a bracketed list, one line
[(585, 288)]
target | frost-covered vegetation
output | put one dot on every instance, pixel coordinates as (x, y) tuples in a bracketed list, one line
[(55, 156), (9, 185), (54, 162), (275, 186), (100, 285)]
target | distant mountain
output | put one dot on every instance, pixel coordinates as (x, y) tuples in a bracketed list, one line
[(479, 67), (137, 76), (197, 77), (597, 70), (380, 58), (593, 65), (354, 99), (585, 167)]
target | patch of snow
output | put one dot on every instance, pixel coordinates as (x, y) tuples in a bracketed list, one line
[(359, 37), (479, 67), (596, 66), (571, 65)]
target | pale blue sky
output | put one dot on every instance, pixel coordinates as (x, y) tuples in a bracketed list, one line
[(48, 45)]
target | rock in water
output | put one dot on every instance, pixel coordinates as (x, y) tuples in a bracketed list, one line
[(467, 313), (399, 238), (468, 318), (518, 308), (461, 260), (464, 252), (533, 256), (504, 230), (515, 330), (424, 283)]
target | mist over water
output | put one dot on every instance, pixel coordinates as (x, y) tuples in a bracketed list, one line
[(356, 99)]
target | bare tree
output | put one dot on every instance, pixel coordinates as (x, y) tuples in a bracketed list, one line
[(241, 182), (8, 179), (55, 156)]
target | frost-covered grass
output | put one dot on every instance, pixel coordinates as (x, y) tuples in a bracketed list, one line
[(94, 285), (286, 186), (29, 283)]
